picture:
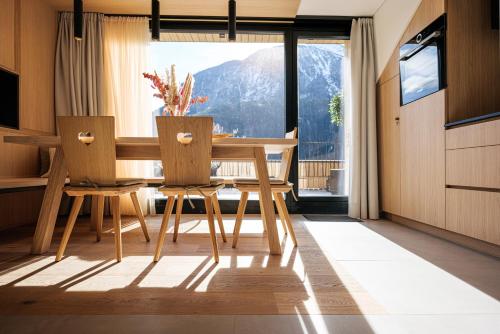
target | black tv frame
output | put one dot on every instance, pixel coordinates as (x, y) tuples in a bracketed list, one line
[(16, 75)]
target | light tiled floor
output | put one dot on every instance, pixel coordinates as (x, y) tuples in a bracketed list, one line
[(401, 280)]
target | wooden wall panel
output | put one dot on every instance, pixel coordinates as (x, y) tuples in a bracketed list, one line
[(423, 160), (389, 147), (427, 12), (473, 60), (27, 45), (8, 34), (34, 24), (38, 40), (474, 213), (474, 167)]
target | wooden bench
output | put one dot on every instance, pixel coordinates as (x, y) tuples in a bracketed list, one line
[(16, 184), (20, 200)]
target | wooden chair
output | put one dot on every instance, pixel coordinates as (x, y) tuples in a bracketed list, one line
[(279, 187), (186, 153), (88, 144)]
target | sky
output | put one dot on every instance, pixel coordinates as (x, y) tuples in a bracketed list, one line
[(194, 57), (197, 56)]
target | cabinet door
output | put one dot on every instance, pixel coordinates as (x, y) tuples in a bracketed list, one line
[(423, 160), (389, 146), (474, 213)]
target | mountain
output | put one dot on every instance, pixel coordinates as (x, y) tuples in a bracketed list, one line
[(248, 95)]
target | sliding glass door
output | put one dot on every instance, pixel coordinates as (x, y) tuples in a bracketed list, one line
[(275, 77), (321, 117)]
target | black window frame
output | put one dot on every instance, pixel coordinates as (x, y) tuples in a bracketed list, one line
[(292, 30)]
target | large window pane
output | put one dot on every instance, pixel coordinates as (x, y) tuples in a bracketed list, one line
[(244, 82), (321, 118)]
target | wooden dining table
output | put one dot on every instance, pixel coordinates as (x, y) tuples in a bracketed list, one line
[(148, 148)]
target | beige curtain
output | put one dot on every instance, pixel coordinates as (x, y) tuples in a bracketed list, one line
[(79, 67), (79, 74), (126, 57), (363, 178)]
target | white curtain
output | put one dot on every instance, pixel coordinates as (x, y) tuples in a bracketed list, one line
[(126, 57), (363, 177)]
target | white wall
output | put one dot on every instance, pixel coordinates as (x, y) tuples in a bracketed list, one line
[(339, 7), (390, 21)]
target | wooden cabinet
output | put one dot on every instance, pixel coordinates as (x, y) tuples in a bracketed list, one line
[(473, 156), (477, 167), (389, 146), (427, 12), (423, 160), (473, 60), (8, 34), (474, 213), (474, 135)]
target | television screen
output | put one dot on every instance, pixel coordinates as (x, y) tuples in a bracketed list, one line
[(495, 14), (9, 99)]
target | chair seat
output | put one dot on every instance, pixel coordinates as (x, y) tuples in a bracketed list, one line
[(249, 187), (202, 190), (250, 180), (127, 187)]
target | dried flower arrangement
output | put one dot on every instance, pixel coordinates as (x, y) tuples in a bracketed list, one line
[(176, 102)]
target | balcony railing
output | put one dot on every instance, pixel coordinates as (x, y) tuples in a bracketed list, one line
[(313, 174)]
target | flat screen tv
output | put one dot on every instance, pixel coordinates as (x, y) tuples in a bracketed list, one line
[(9, 99)]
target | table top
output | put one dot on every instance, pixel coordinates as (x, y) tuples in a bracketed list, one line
[(271, 145)]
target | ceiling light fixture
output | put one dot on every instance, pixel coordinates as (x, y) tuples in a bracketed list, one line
[(78, 19), (231, 19), (155, 20)]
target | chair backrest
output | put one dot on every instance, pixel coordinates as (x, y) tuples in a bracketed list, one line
[(286, 158), (185, 161), (88, 145)]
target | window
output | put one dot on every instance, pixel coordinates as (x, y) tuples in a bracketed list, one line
[(320, 73), (244, 82)]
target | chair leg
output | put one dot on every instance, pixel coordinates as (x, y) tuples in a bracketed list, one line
[(164, 225), (69, 226), (100, 215), (280, 213), (211, 225), (218, 213), (280, 203), (239, 217), (178, 213), (117, 225), (140, 215)]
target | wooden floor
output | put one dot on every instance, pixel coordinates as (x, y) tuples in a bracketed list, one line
[(247, 280), (350, 278)]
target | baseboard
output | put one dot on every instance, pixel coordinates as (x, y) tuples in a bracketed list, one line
[(459, 239)]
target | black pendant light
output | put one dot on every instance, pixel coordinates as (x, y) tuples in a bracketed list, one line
[(78, 19), (155, 20), (231, 28)]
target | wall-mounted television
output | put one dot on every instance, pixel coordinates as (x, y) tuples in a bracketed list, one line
[(495, 14), (9, 99)]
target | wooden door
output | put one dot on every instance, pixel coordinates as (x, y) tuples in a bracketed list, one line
[(389, 146), (423, 160)]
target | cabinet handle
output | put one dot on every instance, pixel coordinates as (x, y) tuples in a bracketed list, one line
[(397, 120)]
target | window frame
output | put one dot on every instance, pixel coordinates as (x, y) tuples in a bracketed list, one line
[(292, 30)]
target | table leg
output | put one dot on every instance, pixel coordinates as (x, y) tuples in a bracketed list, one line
[(50, 205), (93, 212), (266, 201)]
